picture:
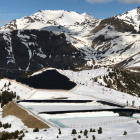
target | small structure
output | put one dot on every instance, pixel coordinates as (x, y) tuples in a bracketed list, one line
[(133, 103)]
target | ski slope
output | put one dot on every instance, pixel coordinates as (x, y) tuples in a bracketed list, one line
[(87, 89)]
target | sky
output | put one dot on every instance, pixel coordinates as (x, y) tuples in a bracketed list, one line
[(15, 9)]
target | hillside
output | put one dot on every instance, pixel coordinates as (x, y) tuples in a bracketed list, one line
[(27, 50), (131, 17), (120, 80), (28, 119), (65, 39), (87, 89)]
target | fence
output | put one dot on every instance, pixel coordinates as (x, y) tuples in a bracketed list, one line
[(101, 123)]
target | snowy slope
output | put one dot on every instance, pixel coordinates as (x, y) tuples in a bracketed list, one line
[(17, 124), (131, 17), (29, 50), (97, 41), (73, 24), (90, 88), (21, 90), (51, 20), (115, 47), (79, 121), (87, 89)]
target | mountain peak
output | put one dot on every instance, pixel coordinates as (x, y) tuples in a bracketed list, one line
[(138, 7), (88, 15), (131, 17), (44, 18)]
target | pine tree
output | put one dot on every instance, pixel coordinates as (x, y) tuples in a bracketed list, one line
[(2, 104), (0, 124), (5, 85), (23, 135), (100, 130), (125, 133), (93, 137), (9, 84), (74, 131), (79, 136), (59, 131), (85, 133), (90, 129), (36, 130)]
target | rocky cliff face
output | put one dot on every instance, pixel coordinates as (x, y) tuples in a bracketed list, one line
[(25, 50)]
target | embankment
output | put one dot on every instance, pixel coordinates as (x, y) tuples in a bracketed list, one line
[(29, 120)]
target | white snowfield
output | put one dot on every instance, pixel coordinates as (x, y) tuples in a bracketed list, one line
[(113, 132), (113, 126), (16, 124), (21, 90)]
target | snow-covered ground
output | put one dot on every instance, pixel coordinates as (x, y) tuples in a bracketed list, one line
[(113, 125), (113, 132), (17, 124), (21, 90), (90, 88), (46, 94)]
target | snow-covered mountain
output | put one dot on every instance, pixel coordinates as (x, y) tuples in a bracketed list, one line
[(68, 40), (89, 41), (64, 21), (131, 17), (25, 50)]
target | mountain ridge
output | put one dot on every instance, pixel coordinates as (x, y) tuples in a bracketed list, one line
[(47, 17), (97, 42)]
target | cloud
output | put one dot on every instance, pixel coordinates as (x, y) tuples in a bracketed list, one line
[(98, 1), (130, 1)]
